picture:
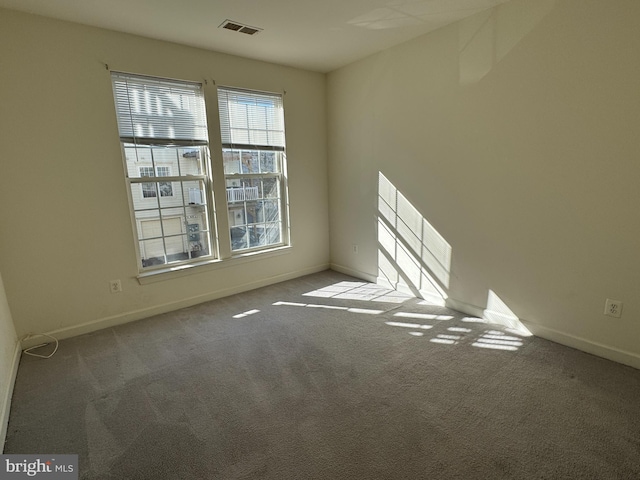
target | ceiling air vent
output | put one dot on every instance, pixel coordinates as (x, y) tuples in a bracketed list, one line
[(239, 27)]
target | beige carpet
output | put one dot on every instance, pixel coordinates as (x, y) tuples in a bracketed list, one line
[(326, 377)]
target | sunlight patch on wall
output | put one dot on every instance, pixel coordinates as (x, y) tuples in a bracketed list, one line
[(499, 313), (486, 38), (412, 254)]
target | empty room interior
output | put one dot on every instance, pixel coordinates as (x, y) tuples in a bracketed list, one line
[(396, 239)]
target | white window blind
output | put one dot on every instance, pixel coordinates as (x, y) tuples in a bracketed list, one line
[(152, 108), (251, 119)]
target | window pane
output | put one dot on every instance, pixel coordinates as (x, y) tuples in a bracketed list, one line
[(259, 212), (148, 224), (271, 188), (191, 160), (243, 190), (138, 160), (193, 193), (152, 252), (249, 161), (176, 248), (252, 188), (148, 161), (270, 211), (273, 233), (237, 216), (231, 161), (251, 211), (269, 162), (170, 194), (197, 236), (164, 156), (144, 196), (173, 221), (239, 238), (257, 236)]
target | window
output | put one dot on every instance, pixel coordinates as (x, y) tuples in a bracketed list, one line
[(163, 133), (253, 154), (164, 138)]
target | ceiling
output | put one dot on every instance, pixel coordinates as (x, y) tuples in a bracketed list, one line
[(318, 35)]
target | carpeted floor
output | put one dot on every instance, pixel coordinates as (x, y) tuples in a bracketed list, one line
[(325, 377)]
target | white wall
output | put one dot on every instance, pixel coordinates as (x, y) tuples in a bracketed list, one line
[(8, 362), (66, 228), (514, 134)]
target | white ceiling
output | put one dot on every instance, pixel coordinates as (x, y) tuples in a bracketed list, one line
[(319, 35)]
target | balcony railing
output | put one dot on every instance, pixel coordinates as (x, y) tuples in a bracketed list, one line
[(240, 194)]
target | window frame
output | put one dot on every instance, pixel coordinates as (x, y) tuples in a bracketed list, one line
[(279, 148), (206, 209)]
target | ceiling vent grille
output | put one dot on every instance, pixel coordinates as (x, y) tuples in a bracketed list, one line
[(239, 27)]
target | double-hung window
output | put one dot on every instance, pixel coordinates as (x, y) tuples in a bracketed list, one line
[(253, 154), (163, 134)]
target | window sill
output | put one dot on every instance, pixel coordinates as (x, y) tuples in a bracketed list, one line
[(178, 271)]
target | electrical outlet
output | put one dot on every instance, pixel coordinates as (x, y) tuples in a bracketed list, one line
[(115, 286), (354, 248), (613, 308)]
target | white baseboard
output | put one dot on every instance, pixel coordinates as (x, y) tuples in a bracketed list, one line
[(112, 321), (588, 346), (353, 272), (568, 340), (432, 298), (464, 307), (6, 401)]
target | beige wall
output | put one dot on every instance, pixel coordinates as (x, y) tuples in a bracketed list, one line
[(510, 139), (514, 134), (8, 361), (66, 228)]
